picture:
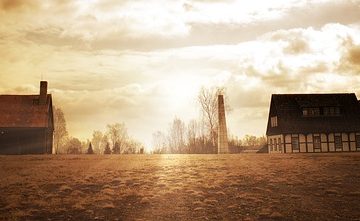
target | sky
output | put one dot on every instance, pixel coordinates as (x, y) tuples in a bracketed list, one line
[(143, 62)]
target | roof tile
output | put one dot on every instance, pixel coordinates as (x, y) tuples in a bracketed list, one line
[(24, 111)]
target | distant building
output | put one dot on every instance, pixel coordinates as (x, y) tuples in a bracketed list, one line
[(308, 123), (26, 123)]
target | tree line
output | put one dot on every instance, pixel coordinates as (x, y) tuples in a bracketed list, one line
[(199, 136), (191, 138), (115, 140)]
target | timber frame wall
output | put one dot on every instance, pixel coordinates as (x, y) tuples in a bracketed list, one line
[(314, 142)]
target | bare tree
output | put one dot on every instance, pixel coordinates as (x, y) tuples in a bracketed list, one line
[(73, 146), (104, 143), (107, 149), (84, 146), (116, 148), (261, 140), (177, 136), (192, 134), (235, 144), (208, 101), (133, 146), (159, 142), (250, 140), (60, 131), (97, 137), (117, 134)]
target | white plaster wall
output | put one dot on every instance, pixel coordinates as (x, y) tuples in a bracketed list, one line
[(310, 147), (344, 137), (352, 146), (324, 147), (287, 139), (349, 143), (288, 148), (352, 136), (303, 147), (323, 138), (301, 138), (309, 138)]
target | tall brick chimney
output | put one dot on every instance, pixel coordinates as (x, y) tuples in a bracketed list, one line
[(223, 146), (43, 92)]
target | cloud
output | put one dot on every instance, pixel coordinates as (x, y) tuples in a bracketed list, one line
[(11, 5), (23, 89), (55, 36), (111, 61), (296, 41), (354, 55), (129, 25), (350, 60), (251, 69)]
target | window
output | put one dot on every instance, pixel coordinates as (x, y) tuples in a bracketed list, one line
[(314, 111), (321, 111), (279, 142), (317, 142), (271, 146), (331, 111), (311, 111), (273, 121), (275, 145), (357, 138), (338, 142), (295, 143)]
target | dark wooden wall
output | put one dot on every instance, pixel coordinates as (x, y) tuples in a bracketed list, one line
[(25, 141)]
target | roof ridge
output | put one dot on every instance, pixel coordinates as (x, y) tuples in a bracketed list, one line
[(22, 94)]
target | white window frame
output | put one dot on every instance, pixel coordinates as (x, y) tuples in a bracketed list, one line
[(274, 121)]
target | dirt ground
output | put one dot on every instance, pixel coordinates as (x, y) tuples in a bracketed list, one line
[(181, 187)]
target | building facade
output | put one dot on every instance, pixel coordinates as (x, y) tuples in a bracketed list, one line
[(26, 123), (313, 123)]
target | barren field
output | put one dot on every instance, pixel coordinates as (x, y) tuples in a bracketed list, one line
[(181, 187)]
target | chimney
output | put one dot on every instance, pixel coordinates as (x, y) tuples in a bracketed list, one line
[(223, 145), (43, 92)]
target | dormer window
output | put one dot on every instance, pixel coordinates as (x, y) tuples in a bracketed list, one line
[(331, 111), (273, 121), (320, 111), (311, 111)]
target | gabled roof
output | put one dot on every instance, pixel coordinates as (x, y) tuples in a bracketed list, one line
[(25, 111), (288, 109)]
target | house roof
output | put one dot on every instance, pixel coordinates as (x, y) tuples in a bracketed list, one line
[(288, 109), (25, 111)]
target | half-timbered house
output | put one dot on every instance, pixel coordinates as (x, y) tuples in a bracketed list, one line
[(313, 123), (26, 123)]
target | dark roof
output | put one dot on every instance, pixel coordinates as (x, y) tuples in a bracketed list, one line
[(288, 109), (25, 111)]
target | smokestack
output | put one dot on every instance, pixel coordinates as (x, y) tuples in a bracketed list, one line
[(223, 146), (43, 92)]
